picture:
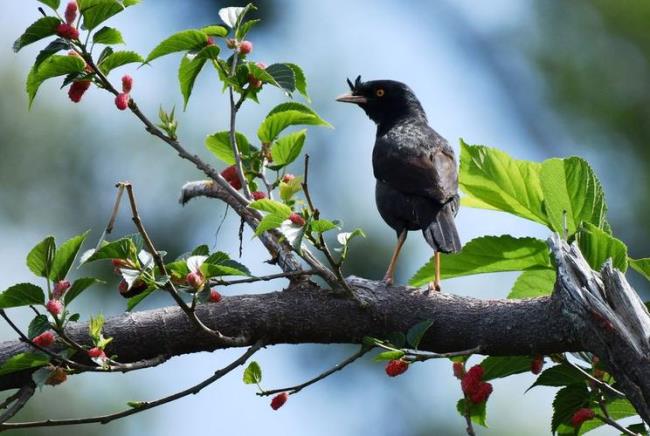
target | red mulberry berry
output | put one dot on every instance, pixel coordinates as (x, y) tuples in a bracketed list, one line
[(288, 177), (45, 339), (459, 370), (481, 394), (127, 83), (96, 353), (537, 364), (65, 30), (297, 219), (122, 101), (582, 415), (396, 367), (215, 296), (258, 195), (78, 89), (231, 176), (195, 280), (71, 12), (279, 400), (59, 288), (55, 307), (245, 47)]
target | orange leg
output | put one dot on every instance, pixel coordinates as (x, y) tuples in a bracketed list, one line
[(388, 277), (435, 285)]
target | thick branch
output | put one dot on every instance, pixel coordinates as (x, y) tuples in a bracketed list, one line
[(308, 314)]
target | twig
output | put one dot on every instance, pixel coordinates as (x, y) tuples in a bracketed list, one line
[(421, 356), (234, 107), (339, 366), (616, 425), (142, 406), (600, 383), (111, 221), (468, 419), (21, 398), (290, 274)]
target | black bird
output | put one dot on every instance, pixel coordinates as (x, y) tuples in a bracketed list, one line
[(415, 168)]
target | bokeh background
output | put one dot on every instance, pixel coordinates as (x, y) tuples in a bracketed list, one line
[(536, 79)]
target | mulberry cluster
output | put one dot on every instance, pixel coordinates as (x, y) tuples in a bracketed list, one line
[(231, 176), (474, 388)]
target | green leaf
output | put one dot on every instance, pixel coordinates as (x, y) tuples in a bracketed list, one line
[(220, 261), (245, 27), (559, 375), (396, 339), (533, 283), (65, 255), (108, 36), (503, 183), (78, 287), (95, 327), (288, 189), (477, 412), (214, 31), (642, 266), (52, 48), (219, 144), (570, 185), (53, 66), (271, 206), (639, 429), (22, 294), (37, 326), (488, 254), (416, 333), (283, 76), (96, 12), (201, 250), (40, 258), (618, 409), (253, 373), (285, 115), (270, 221), (503, 366), (597, 246), (118, 59), (322, 226), (54, 4), (389, 355), (41, 28), (185, 40), (188, 71), (566, 402), (301, 80), (24, 361), (286, 149), (134, 301), (123, 248)]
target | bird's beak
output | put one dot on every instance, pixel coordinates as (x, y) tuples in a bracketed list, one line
[(351, 98)]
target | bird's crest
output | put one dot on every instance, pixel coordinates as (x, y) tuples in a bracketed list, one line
[(356, 85)]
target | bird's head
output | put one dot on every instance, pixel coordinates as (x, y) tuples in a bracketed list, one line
[(384, 101)]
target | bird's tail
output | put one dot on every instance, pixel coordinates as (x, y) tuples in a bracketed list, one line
[(441, 233)]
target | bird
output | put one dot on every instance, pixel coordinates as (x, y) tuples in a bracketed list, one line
[(414, 167)]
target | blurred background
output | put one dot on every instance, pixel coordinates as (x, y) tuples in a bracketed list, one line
[(536, 79)]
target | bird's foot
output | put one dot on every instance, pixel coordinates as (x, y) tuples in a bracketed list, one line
[(434, 287), (388, 280)]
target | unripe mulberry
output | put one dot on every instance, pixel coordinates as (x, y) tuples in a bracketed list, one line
[(245, 47), (122, 101), (59, 288), (55, 307), (67, 31), (45, 339), (71, 12), (127, 83)]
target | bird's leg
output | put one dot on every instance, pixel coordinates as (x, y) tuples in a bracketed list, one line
[(388, 277), (435, 285)]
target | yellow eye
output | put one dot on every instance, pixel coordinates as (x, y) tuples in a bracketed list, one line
[(380, 92)]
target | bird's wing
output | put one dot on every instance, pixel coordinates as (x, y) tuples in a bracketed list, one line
[(423, 165)]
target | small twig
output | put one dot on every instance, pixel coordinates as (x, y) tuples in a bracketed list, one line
[(21, 399), (600, 383), (339, 366), (616, 425), (468, 419), (290, 274), (234, 107), (421, 356), (142, 406)]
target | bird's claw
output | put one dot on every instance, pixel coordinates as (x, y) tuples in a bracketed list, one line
[(434, 287), (388, 281)]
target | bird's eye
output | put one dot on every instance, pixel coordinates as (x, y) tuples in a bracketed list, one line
[(380, 92)]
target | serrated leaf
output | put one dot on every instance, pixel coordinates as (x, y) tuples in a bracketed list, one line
[(269, 222), (96, 12), (506, 184), (21, 294), (78, 287), (108, 36), (642, 266), (570, 185), (388, 355), (533, 283), (559, 375), (416, 333), (123, 248), (301, 80), (52, 48), (214, 30), (397, 339), (40, 258), (488, 254), (477, 412), (245, 27), (617, 409), (95, 327), (118, 59), (219, 144), (54, 4), (134, 301), (201, 250), (283, 76), (37, 326), (597, 246), (285, 115), (184, 40), (286, 149), (41, 28), (288, 189), (253, 373), (271, 206), (220, 264), (503, 366), (566, 402), (53, 66), (230, 15), (23, 361), (65, 256), (188, 71), (322, 226)]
